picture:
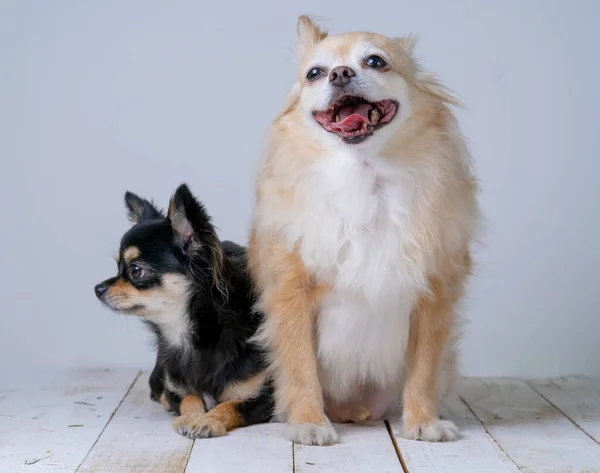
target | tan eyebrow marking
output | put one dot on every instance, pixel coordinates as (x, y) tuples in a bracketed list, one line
[(131, 253)]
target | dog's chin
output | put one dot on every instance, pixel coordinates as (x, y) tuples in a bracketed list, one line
[(354, 119), (135, 309)]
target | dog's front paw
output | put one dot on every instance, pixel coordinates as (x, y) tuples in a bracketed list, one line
[(196, 426), (434, 430), (312, 434)]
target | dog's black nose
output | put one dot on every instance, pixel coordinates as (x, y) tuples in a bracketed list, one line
[(341, 76), (100, 289)]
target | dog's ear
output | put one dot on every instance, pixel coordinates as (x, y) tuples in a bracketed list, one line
[(425, 81), (309, 33), (188, 220), (195, 234), (140, 209), (408, 43)]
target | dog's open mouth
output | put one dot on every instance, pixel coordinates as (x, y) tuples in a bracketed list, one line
[(354, 119)]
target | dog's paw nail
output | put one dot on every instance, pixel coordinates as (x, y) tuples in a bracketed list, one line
[(312, 434), (199, 426), (435, 430)]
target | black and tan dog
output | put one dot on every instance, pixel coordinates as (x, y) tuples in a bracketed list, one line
[(195, 294)]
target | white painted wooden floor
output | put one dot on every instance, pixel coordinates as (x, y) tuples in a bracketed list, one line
[(104, 421)]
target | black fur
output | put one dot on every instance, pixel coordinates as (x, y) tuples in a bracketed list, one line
[(219, 318)]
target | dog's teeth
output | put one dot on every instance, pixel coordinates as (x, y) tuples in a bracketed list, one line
[(337, 117), (365, 125), (374, 115)]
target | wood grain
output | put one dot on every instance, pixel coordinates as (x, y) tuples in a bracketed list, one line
[(474, 452), (508, 426), (578, 397), (535, 435), (255, 449), (139, 438), (360, 449), (52, 428)]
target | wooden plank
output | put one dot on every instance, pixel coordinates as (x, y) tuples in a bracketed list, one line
[(53, 427), (474, 452), (578, 397), (536, 436), (139, 438), (255, 449), (360, 449)]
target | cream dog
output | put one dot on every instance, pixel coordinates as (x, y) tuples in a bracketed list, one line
[(366, 209)]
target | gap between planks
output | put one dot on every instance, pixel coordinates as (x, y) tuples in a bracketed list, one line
[(360, 449), (562, 400), (475, 451), (540, 426), (532, 432), (396, 447), (53, 427), (110, 418), (139, 438), (489, 435)]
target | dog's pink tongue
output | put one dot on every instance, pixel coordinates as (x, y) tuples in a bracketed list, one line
[(353, 117)]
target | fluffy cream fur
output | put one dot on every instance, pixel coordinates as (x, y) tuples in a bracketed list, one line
[(383, 228)]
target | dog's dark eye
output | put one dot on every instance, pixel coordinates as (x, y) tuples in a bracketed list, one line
[(136, 272), (314, 73), (376, 62)]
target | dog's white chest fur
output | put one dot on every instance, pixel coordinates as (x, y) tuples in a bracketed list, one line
[(353, 226)]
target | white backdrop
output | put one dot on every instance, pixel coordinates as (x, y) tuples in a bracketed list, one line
[(100, 97)]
